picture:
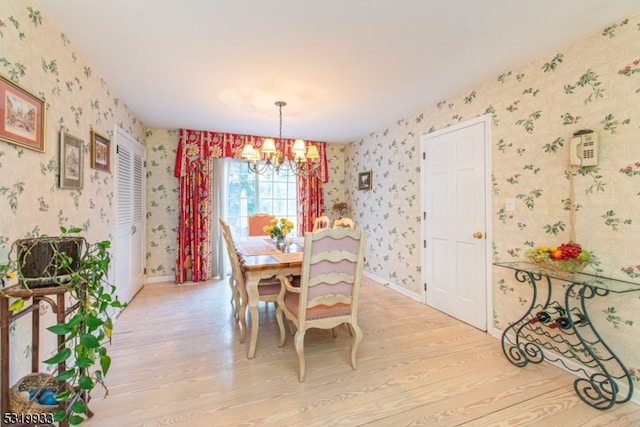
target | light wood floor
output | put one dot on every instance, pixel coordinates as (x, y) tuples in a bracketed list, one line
[(177, 361)]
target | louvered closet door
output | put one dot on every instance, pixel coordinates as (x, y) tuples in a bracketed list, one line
[(130, 224)]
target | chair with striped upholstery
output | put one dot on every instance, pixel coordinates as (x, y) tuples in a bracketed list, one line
[(327, 295)]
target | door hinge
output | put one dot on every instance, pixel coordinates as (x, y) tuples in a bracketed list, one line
[(424, 243), (117, 149), (424, 155), (144, 271), (425, 286), (424, 216), (145, 163)]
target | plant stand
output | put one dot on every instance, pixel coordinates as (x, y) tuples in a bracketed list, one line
[(55, 297), (568, 334)]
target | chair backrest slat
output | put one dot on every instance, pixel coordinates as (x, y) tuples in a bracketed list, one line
[(332, 268), (344, 222)]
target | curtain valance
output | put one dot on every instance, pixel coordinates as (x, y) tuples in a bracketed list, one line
[(195, 146)]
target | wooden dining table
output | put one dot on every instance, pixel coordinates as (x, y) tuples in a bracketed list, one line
[(263, 260)]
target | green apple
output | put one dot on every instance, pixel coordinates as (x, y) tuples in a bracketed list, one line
[(584, 256)]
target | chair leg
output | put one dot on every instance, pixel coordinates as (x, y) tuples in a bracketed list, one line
[(234, 297), (298, 341), (350, 329), (279, 316), (291, 331), (242, 320), (355, 343)]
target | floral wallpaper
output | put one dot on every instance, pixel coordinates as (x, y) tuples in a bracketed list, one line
[(593, 83), (38, 57)]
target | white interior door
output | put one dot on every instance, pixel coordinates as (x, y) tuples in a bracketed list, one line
[(455, 199), (130, 219)]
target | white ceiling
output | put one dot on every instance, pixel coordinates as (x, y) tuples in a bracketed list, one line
[(345, 67)]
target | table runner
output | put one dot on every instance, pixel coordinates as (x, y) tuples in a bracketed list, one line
[(288, 257), (256, 247)]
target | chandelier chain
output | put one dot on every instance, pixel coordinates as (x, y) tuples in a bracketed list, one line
[(305, 161)]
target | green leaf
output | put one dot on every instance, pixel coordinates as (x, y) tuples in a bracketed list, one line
[(59, 357), (75, 320), (85, 383), (17, 305), (93, 322), (60, 329), (84, 362), (63, 376), (59, 415), (64, 396), (79, 407), (89, 341), (74, 420), (105, 363)]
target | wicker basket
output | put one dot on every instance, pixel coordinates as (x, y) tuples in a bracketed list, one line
[(40, 381)]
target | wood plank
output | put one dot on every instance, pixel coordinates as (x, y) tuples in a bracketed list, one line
[(177, 360)]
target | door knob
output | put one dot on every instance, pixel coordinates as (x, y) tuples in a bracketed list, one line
[(477, 235)]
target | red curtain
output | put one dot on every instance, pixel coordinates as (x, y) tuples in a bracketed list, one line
[(311, 202), (194, 225), (193, 169)]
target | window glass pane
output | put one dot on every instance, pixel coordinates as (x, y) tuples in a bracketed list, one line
[(265, 188), (249, 193)]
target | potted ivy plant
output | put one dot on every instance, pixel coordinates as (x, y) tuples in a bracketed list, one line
[(82, 271)]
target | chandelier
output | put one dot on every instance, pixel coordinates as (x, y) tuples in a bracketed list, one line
[(275, 158)]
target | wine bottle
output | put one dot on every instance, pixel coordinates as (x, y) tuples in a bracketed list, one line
[(544, 316), (577, 319), (563, 322), (541, 316)]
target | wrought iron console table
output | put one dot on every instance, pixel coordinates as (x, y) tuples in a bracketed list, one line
[(563, 327)]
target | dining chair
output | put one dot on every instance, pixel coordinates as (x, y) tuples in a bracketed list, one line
[(328, 289), (344, 222), (321, 223), (235, 272), (267, 288), (257, 222)]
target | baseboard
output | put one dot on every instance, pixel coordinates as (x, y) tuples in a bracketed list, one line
[(160, 279), (393, 286)]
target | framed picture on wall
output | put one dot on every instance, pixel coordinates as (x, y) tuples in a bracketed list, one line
[(364, 180), (100, 152), (71, 170), (22, 116)]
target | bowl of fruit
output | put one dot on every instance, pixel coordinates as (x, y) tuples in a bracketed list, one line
[(565, 258)]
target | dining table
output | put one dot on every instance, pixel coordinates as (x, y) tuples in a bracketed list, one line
[(263, 259)]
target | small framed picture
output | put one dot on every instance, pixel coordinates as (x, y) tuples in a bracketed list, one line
[(364, 180), (22, 116), (71, 169), (100, 152)]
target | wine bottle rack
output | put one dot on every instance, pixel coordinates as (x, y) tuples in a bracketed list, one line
[(600, 370)]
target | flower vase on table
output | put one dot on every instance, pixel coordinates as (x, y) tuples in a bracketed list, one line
[(278, 229)]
